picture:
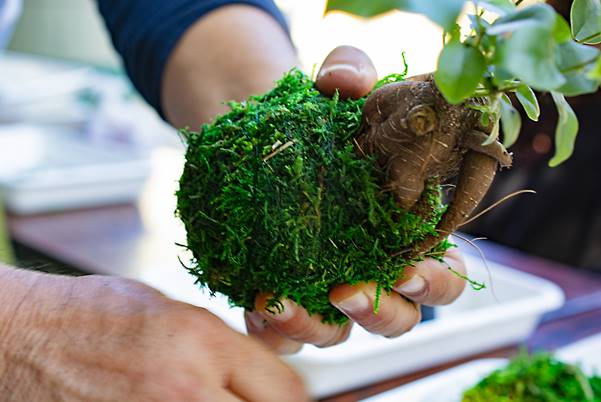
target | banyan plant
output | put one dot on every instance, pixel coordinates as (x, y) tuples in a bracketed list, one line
[(511, 48), (292, 193)]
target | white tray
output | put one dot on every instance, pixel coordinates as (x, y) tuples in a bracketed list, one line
[(475, 323), (47, 169), (449, 385)]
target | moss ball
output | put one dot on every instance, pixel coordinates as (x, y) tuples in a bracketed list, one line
[(275, 198)]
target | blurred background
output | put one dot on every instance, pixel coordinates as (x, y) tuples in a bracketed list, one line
[(72, 29)]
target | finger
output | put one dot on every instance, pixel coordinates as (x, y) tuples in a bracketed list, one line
[(431, 282), (295, 323), (395, 316), (223, 395), (258, 376), (348, 70), (260, 329)]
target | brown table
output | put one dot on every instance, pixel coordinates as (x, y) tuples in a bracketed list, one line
[(124, 240)]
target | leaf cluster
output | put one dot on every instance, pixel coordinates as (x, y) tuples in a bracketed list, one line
[(510, 49), (537, 378), (275, 198)]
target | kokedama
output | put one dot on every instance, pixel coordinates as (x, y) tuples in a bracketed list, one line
[(293, 193)]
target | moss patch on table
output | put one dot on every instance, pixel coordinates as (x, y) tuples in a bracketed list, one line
[(538, 378)]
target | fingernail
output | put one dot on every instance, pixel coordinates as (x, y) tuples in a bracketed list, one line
[(337, 68), (413, 286), (284, 311), (355, 304)]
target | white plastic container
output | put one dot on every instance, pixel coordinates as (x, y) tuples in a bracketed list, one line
[(475, 323)]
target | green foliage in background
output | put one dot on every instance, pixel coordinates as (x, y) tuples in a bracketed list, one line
[(275, 199), (511, 48), (538, 378), (6, 252)]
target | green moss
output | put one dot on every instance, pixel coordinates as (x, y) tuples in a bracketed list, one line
[(274, 198), (538, 378)]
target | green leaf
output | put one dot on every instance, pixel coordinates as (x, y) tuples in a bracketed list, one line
[(576, 61), (578, 83), (561, 31), (366, 9), (574, 56), (539, 15), (460, 70), (595, 72), (511, 122), (500, 7), (527, 98), (530, 54), (567, 129), (586, 21), (442, 12)]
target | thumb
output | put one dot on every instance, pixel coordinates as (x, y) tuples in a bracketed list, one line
[(348, 70)]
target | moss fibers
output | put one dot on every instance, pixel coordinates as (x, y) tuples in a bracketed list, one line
[(275, 199), (538, 378)]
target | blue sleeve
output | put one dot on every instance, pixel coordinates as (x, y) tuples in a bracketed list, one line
[(145, 32)]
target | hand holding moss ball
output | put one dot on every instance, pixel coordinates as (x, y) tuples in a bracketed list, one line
[(285, 218)]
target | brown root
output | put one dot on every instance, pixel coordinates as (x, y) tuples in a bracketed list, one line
[(416, 135)]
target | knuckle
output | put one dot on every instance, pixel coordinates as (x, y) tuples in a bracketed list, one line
[(368, 319), (302, 329), (337, 336), (172, 387), (288, 348), (387, 324), (408, 325), (447, 291), (439, 294), (399, 322), (189, 321), (294, 384)]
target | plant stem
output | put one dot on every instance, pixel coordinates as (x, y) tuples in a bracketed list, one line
[(491, 92)]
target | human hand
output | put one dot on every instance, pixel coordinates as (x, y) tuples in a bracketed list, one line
[(430, 282), (115, 340)]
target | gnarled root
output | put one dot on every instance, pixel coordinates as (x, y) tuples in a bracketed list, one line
[(477, 173)]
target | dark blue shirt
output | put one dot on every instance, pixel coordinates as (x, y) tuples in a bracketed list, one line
[(145, 32)]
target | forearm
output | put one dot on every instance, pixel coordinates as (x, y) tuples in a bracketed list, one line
[(30, 303), (14, 286), (230, 54)]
